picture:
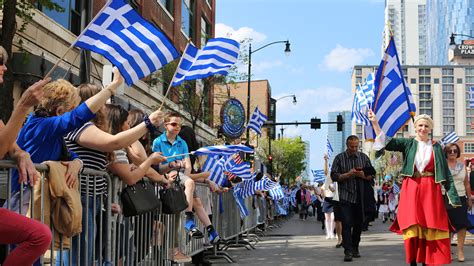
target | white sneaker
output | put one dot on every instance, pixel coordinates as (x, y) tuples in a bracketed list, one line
[(327, 237), (333, 237)]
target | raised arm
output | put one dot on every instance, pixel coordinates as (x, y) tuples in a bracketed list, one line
[(9, 132), (96, 102)]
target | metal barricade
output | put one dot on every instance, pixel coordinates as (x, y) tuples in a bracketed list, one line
[(228, 224), (33, 202)]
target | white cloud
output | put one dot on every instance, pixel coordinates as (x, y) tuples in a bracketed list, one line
[(240, 34), (291, 131), (343, 59)]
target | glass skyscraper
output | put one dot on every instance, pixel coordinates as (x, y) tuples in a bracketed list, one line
[(443, 18)]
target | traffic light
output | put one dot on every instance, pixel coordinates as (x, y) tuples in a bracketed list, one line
[(340, 122), (270, 165), (315, 123), (270, 159)]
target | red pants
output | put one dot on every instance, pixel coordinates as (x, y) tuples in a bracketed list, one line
[(31, 237)]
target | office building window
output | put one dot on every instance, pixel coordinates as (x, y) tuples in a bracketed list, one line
[(187, 18), (70, 18), (168, 5), (448, 100), (468, 147), (358, 80), (205, 31), (469, 78), (425, 101), (358, 72), (413, 81)]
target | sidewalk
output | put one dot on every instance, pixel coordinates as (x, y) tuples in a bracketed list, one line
[(303, 243)]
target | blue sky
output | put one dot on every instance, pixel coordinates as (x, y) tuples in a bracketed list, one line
[(327, 38)]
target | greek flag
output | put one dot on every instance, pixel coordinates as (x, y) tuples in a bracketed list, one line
[(329, 148), (223, 150), (359, 108), (265, 184), (276, 193), (396, 188), (471, 97), (213, 165), (318, 176), (369, 133), (247, 188), (216, 57), (257, 120), (394, 103), (449, 138), (368, 88), (240, 203), (242, 170), (127, 40)]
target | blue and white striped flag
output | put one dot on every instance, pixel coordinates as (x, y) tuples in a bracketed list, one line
[(369, 133), (471, 97), (329, 148), (257, 120), (394, 103), (276, 193), (318, 176), (246, 188), (223, 150), (396, 188), (265, 184), (240, 203), (359, 108), (241, 170), (216, 57), (368, 88), (449, 138), (213, 165), (127, 40)]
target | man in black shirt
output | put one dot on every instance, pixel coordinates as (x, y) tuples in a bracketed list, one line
[(348, 170)]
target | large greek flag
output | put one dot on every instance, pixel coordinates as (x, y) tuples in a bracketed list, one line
[(127, 40), (257, 120), (394, 103), (216, 57)]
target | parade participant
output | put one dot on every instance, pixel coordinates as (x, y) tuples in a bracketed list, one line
[(347, 171), (422, 216), (303, 200), (458, 216), (31, 237), (328, 204)]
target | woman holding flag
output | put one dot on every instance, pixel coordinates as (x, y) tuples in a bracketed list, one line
[(422, 218)]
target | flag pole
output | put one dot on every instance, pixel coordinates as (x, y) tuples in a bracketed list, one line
[(178, 155), (171, 81), (72, 44)]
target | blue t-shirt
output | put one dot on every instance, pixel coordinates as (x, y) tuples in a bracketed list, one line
[(179, 146), (42, 137)]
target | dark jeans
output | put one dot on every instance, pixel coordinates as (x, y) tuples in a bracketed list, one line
[(351, 225)]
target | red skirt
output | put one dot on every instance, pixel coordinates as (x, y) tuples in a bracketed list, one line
[(423, 221)]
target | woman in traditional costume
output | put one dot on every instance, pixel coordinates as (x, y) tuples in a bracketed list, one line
[(422, 218)]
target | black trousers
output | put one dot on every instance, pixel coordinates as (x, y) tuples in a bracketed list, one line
[(351, 225)]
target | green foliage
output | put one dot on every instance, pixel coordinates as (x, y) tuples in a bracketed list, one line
[(288, 156)]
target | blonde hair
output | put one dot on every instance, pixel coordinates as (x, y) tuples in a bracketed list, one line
[(59, 93), (4, 54)]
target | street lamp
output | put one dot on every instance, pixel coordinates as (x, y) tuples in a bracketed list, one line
[(294, 98), (451, 38), (287, 52)]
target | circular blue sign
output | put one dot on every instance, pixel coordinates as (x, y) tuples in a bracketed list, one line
[(233, 118)]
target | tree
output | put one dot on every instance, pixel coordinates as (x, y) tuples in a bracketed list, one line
[(288, 156), (11, 9)]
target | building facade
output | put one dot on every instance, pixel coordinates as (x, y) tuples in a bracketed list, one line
[(407, 20), (260, 96), (443, 18), (338, 138), (442, 93), (51, 33)]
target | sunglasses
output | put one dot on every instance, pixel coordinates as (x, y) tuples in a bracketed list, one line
[(174, 124), (453, 151)]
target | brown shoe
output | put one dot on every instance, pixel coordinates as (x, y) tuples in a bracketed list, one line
[(461, 256), (179, 257)]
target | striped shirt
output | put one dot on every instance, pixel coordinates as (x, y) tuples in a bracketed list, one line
[(92, 159), (343, 163)]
